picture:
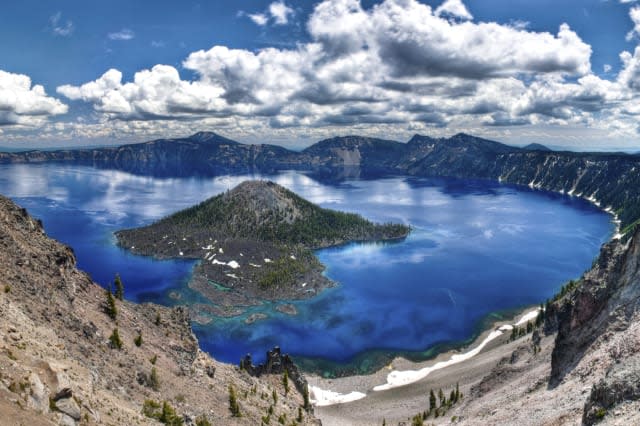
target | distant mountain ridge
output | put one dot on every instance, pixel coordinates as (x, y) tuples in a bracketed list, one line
[(608, 179)]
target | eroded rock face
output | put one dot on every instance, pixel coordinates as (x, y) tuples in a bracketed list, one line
[(606, 298), (276, 363), (622, 383)]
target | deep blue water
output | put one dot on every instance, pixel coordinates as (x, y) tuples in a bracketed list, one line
[(477, 247)]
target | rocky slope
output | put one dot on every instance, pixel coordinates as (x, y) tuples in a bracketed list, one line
[(60, 362)]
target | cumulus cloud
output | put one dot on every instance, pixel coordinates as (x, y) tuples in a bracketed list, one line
[(59, 28), (278, 12), (22, 103), (399, 64), (454, 8), (122, 35)]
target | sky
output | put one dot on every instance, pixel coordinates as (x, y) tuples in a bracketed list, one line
[(565, 73)]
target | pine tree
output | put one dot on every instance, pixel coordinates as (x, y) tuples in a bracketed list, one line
[(441, 396), (234, 407), (115, 340), (111, 308), (432, 401), (285, 382), (154, 382), (457, 392), (119, 288), (305, 396)]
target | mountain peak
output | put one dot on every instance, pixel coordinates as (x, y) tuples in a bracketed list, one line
[(210, 137)]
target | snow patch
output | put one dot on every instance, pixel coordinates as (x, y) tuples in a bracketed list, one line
[(322, 398)]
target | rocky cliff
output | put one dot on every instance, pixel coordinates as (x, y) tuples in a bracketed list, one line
[(67, 358)]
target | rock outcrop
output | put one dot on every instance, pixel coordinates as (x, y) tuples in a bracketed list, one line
[(276, 363)]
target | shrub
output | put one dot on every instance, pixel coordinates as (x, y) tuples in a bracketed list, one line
[(202, 421), (114, 339), (138, 340), (164, 412), (234, 407), (154, 382)]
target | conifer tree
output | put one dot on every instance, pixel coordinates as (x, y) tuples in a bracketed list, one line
[(234, 407), (119, 288), (285, 382), (432, 401), (115, 340), (305, 396), (110, 307)]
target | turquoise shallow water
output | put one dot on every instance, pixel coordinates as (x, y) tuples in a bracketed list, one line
[(477, 247)]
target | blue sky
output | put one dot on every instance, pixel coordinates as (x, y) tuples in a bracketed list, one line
[(291, 73)]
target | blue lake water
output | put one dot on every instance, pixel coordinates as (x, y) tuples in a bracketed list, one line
[(477, 247)]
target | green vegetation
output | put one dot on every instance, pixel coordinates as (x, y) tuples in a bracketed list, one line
[(285, 382), (567, 288), (305, 396), (284, 270), (154, 381), (202, 420), (7, 288), (268, 212), (110, 306), (138, 340), (115, 340), (417, 420), (601, 413), (164, 413), (234, 407), (119, 288), (438, 410)]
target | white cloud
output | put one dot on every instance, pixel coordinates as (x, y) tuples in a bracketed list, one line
[(454, 8), (58, 28), (280, 12), (22, 103), (398, 65), (122, 35), (606, 68), (259, 19)]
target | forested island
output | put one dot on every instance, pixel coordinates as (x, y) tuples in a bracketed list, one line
[(255, 242)]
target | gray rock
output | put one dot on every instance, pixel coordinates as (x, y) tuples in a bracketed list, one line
[(69, 407), (38, 399)]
